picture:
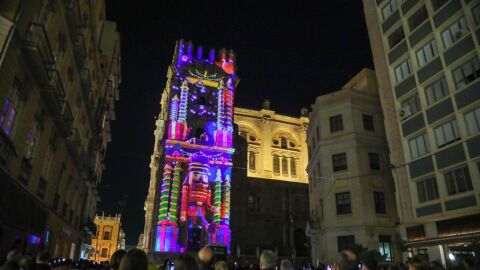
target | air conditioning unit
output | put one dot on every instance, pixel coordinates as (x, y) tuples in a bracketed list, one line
[(404, 112)]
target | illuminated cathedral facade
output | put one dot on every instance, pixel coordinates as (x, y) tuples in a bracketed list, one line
[(193, 151)]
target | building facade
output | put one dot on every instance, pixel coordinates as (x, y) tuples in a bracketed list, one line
[(270, 191), (276, 144), (59, 76), (109, 238), (426, 56), (264, 195), (352, 199)]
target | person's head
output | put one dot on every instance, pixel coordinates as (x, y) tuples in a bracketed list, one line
[(469, 263), (221, 265), (14, 256), (205, 255), (368, 261), (414, 262), (286, 265), (185, 262), (346, 260), (116, 258), (42, 257), (268, 259), (134, 259)]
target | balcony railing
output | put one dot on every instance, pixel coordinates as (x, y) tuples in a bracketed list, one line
[(80, 51), (40, 53), (64, 121), (75, 21), (7, 150)]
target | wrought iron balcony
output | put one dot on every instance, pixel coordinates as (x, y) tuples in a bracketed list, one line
[(7, 150), (64, 121), (73, 142), (80, 51), (75, 21), (39, 53)]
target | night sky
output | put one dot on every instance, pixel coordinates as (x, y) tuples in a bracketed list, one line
[(289, 53)]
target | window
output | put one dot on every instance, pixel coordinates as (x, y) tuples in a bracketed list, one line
[(104, 253), (417, 18), (385, 247), (42, 186), (426, 53), (343, 203), (336, 123), (458, 181), (64, 209), (427, 190), (253, 203), (374, 161), (419, 146), (32, 138), (446, 133), (368, 122), (438, 3), (346, 242), (476, 14), (472, 119), (251, 161), (396, 37), (339, 162), (10, 110), (106, 235), (56, 198), (466, 73), (412, 103), (285, 166), (379, 201), (403, 70), (293, 167), (389, 8), (276, 165), (283, 143), (454, 32), (48, 162), (436, 91)]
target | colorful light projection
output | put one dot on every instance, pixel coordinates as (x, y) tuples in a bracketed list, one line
[(195, 211)]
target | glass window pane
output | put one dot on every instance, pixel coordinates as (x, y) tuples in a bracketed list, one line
[(439, 136), (447, 39), (413, 148), (449, 132)]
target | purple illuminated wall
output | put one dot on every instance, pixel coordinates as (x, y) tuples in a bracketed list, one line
[(194, 205)]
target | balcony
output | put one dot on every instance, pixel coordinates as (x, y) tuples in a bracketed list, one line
[(39, 53), (86, 81), (64, 120), (75, 21), (80, 51), (7, 150), (73, 142)]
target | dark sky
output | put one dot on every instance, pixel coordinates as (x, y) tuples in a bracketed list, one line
[(289, 53)]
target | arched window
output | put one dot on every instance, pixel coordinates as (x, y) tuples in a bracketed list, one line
[(283, 143), (293, 167), (276, 165), (284, 165), (251, 161)]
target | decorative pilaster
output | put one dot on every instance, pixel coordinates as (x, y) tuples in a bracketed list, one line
[(172, 214), (226, 201), (164, 193), (182, 110), (217, 197)]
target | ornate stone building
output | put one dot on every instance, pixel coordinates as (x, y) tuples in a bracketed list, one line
[(59, 75), (108, 238), (276, 144), (269, 183)]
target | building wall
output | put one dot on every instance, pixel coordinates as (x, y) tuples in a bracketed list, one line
[(265, 131), (266, 213), (456, 101), (108, 239), (58, 84), (359, 97), (265, 126)]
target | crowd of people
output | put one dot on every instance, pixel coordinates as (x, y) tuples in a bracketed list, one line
[(136, 259)]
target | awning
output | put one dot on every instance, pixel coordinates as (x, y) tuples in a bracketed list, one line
[(461, 238)]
